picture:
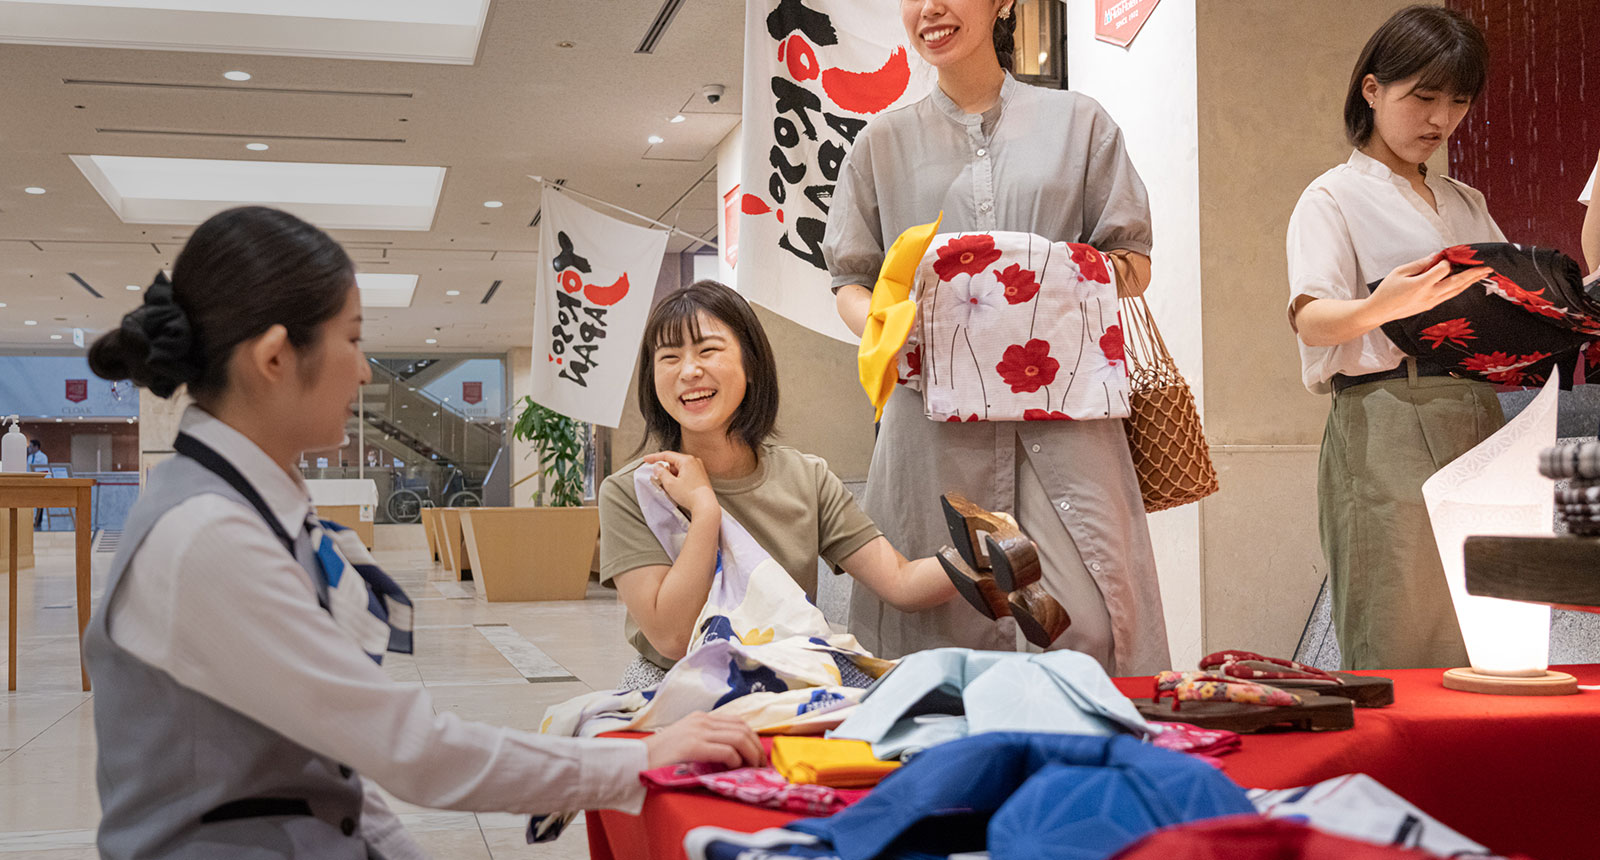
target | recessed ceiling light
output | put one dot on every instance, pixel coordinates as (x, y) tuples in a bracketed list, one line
[(257, 147), (34, 189), (2, 304), (55, 337), (431, 340), (58, 420), (386, 290), (655, 139), (236, 76), (151, 190), (679, 118), (492, 204), (134, 288), (566, 44), (452, 292), (30, 322)]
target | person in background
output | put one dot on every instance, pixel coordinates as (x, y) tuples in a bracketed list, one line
[(37, 462), (1382, 215), (1591, 223), (240, 709)]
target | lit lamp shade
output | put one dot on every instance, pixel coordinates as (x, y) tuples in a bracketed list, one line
[(1496, 489)]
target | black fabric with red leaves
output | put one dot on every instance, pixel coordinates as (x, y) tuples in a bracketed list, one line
[(1528, 317)]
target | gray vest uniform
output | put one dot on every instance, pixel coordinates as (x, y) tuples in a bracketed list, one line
[(181, 776)]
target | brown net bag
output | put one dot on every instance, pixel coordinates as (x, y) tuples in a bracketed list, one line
[(1164, 433)]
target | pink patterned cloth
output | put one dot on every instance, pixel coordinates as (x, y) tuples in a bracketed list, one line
[(757, 786), (1013, 327), (1184, 738)]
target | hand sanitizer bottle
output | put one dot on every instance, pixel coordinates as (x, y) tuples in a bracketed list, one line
[(13, 449)]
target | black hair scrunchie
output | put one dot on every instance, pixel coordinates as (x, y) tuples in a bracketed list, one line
[(164, 329)]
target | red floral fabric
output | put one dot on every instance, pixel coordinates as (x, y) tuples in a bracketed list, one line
[(1020, 285), (966, 255), (1091, 264), (1530, 314), (1028, 367), (1045, 415)]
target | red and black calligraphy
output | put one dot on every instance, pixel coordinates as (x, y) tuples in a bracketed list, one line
[(581, 308)]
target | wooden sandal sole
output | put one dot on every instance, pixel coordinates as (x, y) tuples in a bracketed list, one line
[(1040, 617), (975, 588), (1315, 714)]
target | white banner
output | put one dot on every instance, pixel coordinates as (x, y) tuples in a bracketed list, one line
[(814, 72), (596, 279)]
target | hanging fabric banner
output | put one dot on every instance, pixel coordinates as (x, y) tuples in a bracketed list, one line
[(596, 280), (814, 72)]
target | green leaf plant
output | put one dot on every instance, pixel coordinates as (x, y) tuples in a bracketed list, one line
[(558, 441)]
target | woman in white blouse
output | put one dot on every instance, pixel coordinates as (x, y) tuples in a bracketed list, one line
[(1394, 421), (240, 710)]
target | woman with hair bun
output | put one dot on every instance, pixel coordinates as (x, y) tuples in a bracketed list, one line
[(240, 708), (995, 154)]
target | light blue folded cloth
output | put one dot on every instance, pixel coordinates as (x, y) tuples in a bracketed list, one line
[(937, 696)]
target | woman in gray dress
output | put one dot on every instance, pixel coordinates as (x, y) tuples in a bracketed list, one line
[(995, 154)]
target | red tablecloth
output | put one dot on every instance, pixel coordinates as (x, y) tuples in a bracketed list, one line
[(1516, 774)]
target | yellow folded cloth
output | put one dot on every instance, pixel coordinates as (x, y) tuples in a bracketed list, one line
[(892, 312), (834, 762)]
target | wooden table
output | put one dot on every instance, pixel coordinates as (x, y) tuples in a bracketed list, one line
[(41, 491)]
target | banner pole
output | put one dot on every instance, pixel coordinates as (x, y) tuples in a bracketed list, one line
[(668, 227)]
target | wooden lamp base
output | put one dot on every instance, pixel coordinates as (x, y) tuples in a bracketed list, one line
[(1547, 684)]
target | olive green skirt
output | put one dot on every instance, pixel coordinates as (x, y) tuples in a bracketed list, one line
[(1391, 606)]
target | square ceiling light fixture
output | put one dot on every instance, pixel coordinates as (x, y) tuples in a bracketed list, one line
[(332, 196), (386, 290), (415, 31)]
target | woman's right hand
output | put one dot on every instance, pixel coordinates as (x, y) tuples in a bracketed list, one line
[(684, 478), (705, 737), (1421, 285)]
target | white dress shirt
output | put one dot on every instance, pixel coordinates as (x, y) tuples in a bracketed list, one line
[(1353, 226), (214, 600), (1588, 190)]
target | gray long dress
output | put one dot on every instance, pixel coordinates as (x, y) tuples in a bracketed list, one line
[(1050, 162)]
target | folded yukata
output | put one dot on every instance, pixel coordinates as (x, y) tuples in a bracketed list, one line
[(997, 326), (1023, 796), (837, 762), (1533, 313), (936, 696), (757, 786), (764, 652)]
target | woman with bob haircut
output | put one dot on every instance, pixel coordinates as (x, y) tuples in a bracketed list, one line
[(1382, 215), (708, 389), (240, 709)]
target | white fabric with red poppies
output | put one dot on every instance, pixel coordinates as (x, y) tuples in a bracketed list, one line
[(1013, 327)]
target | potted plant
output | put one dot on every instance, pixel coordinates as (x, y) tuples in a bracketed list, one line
[(541, 552), (557, 441)]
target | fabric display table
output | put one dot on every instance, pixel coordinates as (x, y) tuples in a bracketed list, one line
[(1518, 774), (350, 502)]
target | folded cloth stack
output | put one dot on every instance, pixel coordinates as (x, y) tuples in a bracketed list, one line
[(757, 786), (1020, 795), (837, 763), (1532, 312), (937, 696), (1357, 806), (1578, 501)]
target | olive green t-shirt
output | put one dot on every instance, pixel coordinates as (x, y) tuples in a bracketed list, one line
[(791, 504)]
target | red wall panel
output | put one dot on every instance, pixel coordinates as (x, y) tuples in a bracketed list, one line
[(1530, 141)]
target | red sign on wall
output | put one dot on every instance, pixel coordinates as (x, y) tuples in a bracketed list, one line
[(77, 390), (1118, 21), (472, 392), (730, 226)]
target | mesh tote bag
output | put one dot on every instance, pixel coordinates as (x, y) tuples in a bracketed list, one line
[(1164, 433)]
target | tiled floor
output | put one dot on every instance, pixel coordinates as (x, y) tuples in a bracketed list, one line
[(501, 663)]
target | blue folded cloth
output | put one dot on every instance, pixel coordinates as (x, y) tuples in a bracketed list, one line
[(1021, 796)]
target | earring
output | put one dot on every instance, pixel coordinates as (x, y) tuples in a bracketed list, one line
[(1005, 13)]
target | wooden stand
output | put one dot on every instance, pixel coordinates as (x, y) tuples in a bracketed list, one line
[(531, 553), (1557, 570), (1547, 684), (22, 491)]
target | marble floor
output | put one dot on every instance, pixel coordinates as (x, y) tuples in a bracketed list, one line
[(497, 662)]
